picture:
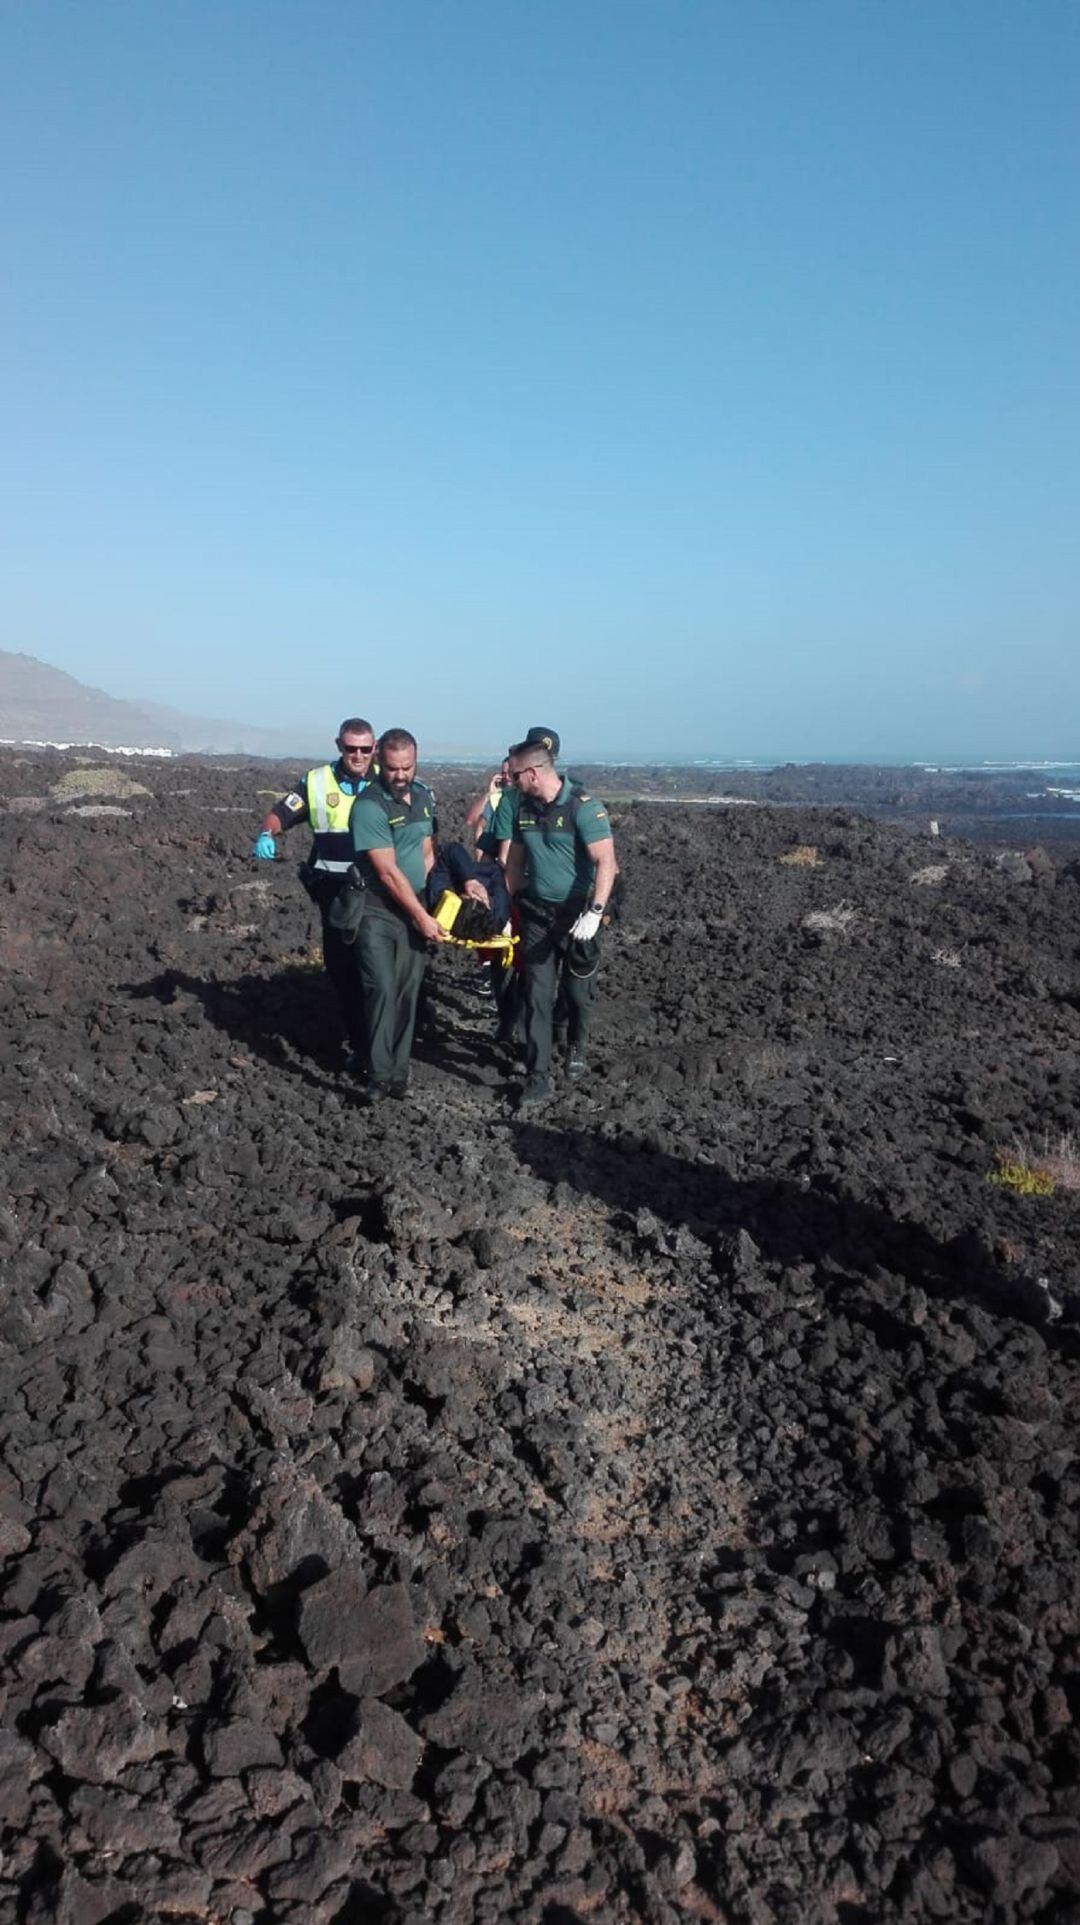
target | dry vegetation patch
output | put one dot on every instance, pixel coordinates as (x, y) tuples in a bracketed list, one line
[(1031, 1169), (79, 782), (839, 921)]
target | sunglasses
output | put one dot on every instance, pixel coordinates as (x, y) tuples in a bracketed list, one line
[(357, 748)]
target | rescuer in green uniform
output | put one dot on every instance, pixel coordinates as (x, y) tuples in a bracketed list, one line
[(499, 831), (392, 828), (324, 797), (561, 870)]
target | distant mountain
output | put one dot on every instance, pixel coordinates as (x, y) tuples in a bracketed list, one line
[(43, 704)]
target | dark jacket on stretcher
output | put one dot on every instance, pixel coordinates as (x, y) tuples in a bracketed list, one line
[(454, 867)]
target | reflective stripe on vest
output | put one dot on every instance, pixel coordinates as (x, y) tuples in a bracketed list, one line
[(328, 812)]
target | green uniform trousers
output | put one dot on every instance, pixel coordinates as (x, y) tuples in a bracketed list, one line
[(545, 939), (391, 954)]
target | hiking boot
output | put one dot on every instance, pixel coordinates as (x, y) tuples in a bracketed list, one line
[(577, 1063), (537, 1090), (399, 1090), (374, 1093)]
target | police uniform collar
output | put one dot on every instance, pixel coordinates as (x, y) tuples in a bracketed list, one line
[(560, 795)]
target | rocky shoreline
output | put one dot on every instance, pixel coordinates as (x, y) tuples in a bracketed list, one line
[(1010, 807), (663, 1509)]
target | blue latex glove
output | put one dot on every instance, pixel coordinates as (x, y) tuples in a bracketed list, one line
[(265, 846)]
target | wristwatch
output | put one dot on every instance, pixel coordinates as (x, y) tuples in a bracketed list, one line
[(597, 908)]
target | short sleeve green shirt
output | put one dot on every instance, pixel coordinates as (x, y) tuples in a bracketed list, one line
[(559, 840), (502, 824), (380, 821)]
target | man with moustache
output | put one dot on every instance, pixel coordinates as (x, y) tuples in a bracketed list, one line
[(392, 827)]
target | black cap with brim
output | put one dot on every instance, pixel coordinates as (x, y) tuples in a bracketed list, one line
[(541, 738), (583, 957)]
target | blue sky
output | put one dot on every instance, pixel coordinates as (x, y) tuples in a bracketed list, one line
[(698, 377)]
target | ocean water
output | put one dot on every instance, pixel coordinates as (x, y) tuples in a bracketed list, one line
[(1067, 772), (1055, 798)]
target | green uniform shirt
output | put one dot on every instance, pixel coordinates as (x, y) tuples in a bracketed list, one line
[(380, 821), (502, 826), (557, 838)]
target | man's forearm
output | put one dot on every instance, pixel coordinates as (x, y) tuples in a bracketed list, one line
[(604, 876)]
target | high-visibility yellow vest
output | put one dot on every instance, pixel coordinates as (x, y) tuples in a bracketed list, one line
[(329, 809)]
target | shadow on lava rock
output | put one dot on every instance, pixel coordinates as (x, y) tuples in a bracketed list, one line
[(294, 1014), (466, 1059), (281, 1017), (786, 1223), (455, 1034)]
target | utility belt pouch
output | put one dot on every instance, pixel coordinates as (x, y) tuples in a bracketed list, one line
[(307, 874), (346, 912)]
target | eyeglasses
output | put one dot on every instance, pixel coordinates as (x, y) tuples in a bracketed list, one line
[(357, 748)]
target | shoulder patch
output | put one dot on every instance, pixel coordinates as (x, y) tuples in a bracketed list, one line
[(294, 801)]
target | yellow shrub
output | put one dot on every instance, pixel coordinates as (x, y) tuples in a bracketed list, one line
[(303, 959), (1025, 1179)]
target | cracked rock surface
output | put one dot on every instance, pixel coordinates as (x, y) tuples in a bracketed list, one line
[(663, 1508)]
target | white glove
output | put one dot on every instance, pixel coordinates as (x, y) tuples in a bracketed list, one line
[(587, 925)]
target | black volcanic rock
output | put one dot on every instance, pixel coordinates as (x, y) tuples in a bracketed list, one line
[(663, 1508)]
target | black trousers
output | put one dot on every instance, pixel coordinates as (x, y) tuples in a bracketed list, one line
[(509, 1001), (392, 955), (341, 962), (545, 939)]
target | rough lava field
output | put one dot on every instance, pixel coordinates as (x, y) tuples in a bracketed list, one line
[(663, 1509)]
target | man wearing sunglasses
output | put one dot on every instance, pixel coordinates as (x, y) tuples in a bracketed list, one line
[(324, 797), (501, 828), (561, 871)]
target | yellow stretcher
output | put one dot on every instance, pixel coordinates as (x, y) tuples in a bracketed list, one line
[(446, 912)]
